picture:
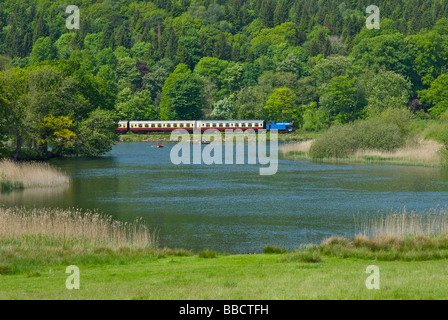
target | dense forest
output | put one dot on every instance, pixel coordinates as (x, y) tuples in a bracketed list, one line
[(313, 62)]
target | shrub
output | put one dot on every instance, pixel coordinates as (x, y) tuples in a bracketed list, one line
[(269, 249), (304, 256), (207, 254), (341, 141)]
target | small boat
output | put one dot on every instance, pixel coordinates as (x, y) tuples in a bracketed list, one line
[(160, 145)]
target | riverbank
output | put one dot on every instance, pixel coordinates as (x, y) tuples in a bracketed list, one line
[(411, 262), (165, 137), (426, 153)]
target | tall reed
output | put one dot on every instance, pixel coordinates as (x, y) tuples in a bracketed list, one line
[(405, 223), (32, 174), (85, 227)]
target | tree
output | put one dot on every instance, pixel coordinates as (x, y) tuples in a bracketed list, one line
[(340, 98), (56, 132), (43, 50), (385, 52), (137, 106), (63, 46), (166, 110), (387, 89), (223, 110), (429, 51), (128, 74), (281, 106), (436, 96), (15, 89), (96, 134), (154, 80), (186, 97)]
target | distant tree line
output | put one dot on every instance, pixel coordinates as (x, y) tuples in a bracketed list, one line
[(311, 62)]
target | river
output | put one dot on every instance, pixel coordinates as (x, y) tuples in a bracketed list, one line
[(232, 208)]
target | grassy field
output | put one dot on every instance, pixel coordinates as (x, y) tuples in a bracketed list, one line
[(261, 276), (123, 261)]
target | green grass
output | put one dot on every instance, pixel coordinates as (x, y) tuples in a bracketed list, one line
[(261, 276), (411, 258), (411, 268)]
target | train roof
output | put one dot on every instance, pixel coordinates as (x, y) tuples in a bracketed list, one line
[(230, 121), (203, 121)]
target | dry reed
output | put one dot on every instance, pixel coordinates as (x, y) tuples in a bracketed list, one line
[(423, 151), (85, 227), (302, 146), (405, 223), (32, 174)]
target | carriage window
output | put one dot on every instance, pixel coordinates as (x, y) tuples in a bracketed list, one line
[(243, 124), (159, 125), (174, 125), (140, 126), (181, 125), (249, 124), (214, 125), (153, 125), (227, 124), (221, 124), (146, 125)]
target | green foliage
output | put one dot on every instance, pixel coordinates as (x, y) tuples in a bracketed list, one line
[(314, 63), (186, 98), (340, 98), (223, 110), (43, 50), (207, 254), (281, 105), (381, 133), (438, 131), (136, 106), (270, 249), (387, 89), (96, 134), (436, 95)]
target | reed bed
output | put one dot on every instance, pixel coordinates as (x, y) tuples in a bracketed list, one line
[(423, 152), (86, 228), (397, 235), (405, 223), (302, 146), (32, 174)]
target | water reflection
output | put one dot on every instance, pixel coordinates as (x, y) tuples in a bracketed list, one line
[(39, 197)]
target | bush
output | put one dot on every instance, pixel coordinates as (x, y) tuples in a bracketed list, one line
[(304, 256), (207, 254), (273, 250), (341, 141)]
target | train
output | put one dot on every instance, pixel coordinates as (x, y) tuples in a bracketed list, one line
[(192, 125)]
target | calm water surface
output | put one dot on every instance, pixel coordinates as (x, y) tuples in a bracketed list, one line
[(231, 208)]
